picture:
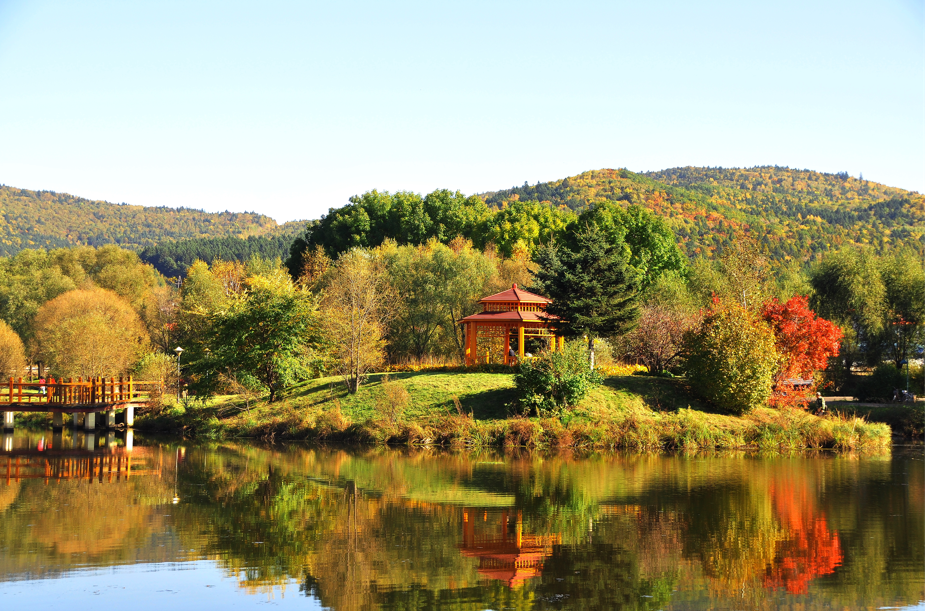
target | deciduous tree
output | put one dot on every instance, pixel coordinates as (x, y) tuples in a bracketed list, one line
[(12, 353), (89, 333), (731, 359), (356, 308)]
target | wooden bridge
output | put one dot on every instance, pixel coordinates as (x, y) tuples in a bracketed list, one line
[(82, 399)]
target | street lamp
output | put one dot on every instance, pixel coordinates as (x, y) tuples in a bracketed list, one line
[(179, 351)]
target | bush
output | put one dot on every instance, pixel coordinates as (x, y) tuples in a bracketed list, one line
[(880, 384), (731, 359), (554, 381)]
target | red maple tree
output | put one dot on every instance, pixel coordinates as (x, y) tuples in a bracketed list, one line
[(804, 340)]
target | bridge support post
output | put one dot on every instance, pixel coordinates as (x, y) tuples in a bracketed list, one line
[(57, 422), (90, 421), (130, 416), (76, 420), (111, 419), (8, 421)]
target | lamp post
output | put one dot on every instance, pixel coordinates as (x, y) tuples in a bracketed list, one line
[(179, 351)]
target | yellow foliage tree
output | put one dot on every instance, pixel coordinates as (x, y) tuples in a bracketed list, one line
[(355, 309), (12, 353), (89, 333)]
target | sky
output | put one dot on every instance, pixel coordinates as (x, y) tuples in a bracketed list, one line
[(289, 108)]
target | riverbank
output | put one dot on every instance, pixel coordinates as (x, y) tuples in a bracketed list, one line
[(470, 409)]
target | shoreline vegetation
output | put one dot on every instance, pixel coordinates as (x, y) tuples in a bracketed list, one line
[(465, 408)]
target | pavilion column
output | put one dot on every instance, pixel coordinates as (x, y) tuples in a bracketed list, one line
[(552, 343), (470, 343), (561, 344), (507, 346), (520, 342)]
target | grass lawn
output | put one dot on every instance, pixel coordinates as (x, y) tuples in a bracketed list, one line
[(472, 408)]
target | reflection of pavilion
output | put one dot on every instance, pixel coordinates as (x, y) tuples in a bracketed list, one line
[(506, 554)]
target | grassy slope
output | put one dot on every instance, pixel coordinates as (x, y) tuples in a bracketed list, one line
[(626, 412)]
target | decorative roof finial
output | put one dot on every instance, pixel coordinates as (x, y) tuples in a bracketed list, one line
[(514, 286)]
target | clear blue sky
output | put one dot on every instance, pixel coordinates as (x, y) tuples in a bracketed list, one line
[(289, 108)]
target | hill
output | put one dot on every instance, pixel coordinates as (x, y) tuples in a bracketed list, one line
[(45, 219), (793, 213)]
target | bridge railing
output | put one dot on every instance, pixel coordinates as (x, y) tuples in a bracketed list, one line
[(80, 392)]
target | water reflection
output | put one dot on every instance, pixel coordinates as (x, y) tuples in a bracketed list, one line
[(398, 530)]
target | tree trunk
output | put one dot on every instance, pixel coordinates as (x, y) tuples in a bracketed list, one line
[(591, 350)]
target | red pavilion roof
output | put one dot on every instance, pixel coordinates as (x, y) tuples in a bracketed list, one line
[(515, 294), (510, 316)]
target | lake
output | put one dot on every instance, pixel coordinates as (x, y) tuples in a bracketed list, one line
[(116, 522)]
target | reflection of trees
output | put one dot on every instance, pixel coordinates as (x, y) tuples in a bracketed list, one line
[(809, 549), (379, 529), (52, 528)]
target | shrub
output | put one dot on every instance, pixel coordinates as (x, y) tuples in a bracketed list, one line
[(555, 381), (731, 359)]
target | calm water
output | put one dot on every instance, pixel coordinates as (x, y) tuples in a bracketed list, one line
[(203, 526)]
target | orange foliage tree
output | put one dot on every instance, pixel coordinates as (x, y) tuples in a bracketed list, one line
[(804, 341)]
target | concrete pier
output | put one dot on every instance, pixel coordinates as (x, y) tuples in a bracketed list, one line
[(130, 415), (8, 421), (111, 419), (77, 420), (89, 421), (57, 421)]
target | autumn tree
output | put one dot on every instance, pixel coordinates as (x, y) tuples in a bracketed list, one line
[(731, 358), (356, 308), (12, 353), (804, 341), (268, 334), (658, 340), (89, 333)]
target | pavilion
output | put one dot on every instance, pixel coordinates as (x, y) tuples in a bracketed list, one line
[(501, 314)]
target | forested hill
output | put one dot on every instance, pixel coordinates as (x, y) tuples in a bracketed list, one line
[(794, 213), (45, 219)]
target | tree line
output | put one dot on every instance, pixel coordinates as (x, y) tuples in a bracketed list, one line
[(386, 279)]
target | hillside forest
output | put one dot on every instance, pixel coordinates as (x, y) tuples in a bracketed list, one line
[(383, 281)]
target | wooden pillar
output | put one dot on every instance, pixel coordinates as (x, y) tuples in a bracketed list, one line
[(507, 346), (552, 343), (520, 342), (57, 421), (561, 344)]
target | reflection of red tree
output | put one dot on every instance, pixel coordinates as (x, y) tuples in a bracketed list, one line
[(810, 549)]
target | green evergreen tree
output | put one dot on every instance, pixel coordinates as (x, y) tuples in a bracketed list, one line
[(594, 292)]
